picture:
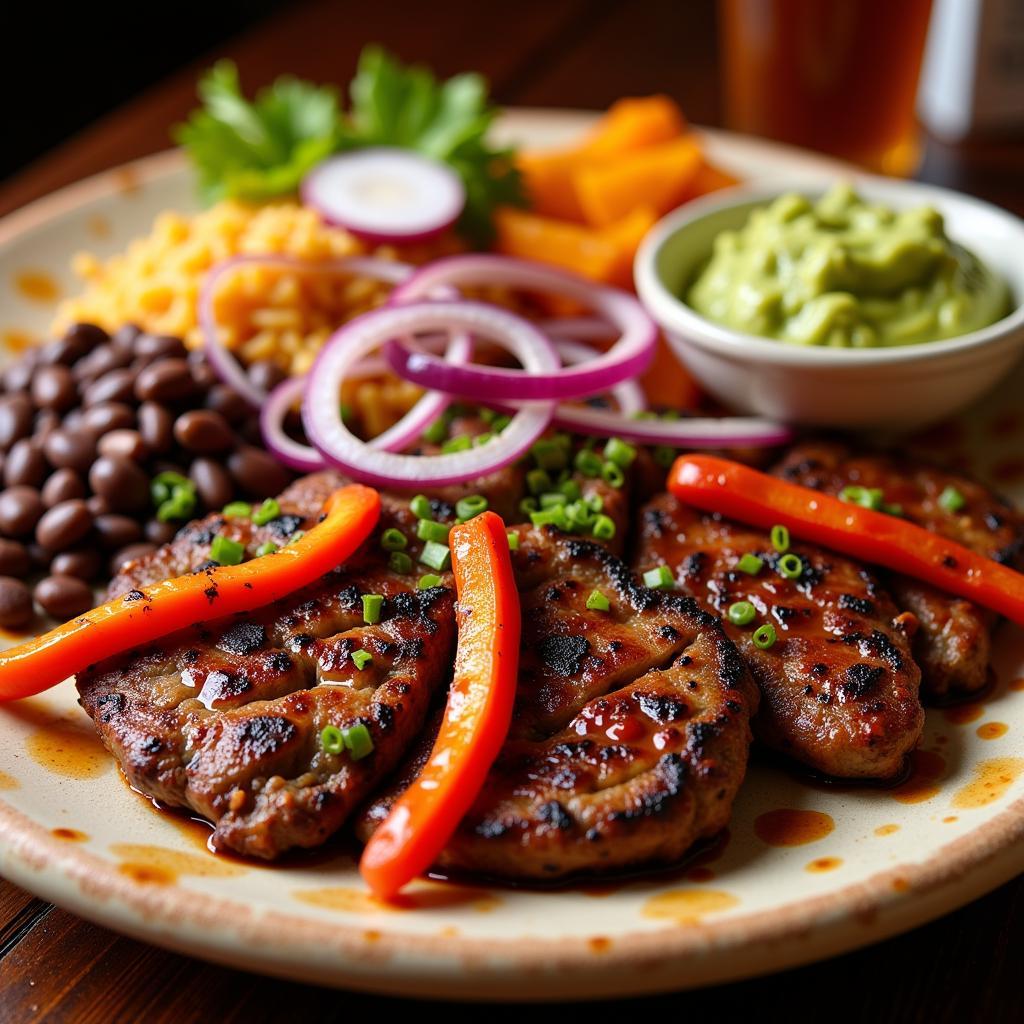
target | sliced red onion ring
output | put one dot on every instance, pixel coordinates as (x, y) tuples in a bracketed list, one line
[(733, 432), (579, 328), (223, 361), (627, 358), (629, 395), (395, 439), (357, 339), (385, 194)]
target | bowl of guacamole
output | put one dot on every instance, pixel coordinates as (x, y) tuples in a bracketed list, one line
[(856, 304)]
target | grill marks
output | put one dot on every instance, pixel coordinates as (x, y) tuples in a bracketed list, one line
[(839, 687), (630, 734), (953, 644)]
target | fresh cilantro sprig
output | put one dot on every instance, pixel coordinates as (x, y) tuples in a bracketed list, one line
[(261, 149)]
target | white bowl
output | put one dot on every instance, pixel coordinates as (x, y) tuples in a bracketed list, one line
[(906, 386)]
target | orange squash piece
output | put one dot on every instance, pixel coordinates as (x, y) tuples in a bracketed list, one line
[(547, 178), (634, 123), (709, 178), (593, 254), (658, 176), (628, 233)]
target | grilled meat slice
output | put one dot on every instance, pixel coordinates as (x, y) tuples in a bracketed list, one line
[(953, 643), (839, 688), (225, 717), (630, 733)]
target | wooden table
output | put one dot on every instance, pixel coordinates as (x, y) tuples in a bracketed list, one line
[(581, 53)]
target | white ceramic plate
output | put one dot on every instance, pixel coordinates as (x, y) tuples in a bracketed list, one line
[(870, 862)]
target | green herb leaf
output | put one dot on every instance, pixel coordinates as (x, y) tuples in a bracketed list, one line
[(260, 149)]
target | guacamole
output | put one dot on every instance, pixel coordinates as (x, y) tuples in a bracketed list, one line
[(846, 273)]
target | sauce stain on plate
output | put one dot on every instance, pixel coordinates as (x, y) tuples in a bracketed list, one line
[(37, 286), (962, 714), (160, 865), (353, 900), (992, 730), (15, 341), (790, 827), (62, 744), (8, 781), (69, 835), (992, 779), (822, 864), (886, 830), (926, 770), (688, 906)]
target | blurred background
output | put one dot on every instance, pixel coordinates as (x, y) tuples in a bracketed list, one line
[(843, 76)]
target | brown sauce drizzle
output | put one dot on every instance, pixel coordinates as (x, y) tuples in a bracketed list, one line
[(963, 714), (160, 865), (992, 730), (64, 744), (926, 771), (886, 830), (820, 865), (688, 906), (992, 779), (15, 341), (70, 835), (8, 781), (37, 286), (790, 826)]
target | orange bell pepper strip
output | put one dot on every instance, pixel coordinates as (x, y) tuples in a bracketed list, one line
[(142, 616), (742, 493), (476, 719)]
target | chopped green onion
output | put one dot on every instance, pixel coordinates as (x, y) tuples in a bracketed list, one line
[(660, 578), (499, 423), (420, 507), (428, 581), (226, 551), (459, 443), (892, 509), (750, 564), (361, 659), (266, 548), (612, 474), (470, 506), (663, 455), (604, 528), (482, 439), (393, 540), (436, 555), (528, 505), (358, 741), (180, 505), (549, 454), (427, 529), (554, 516), (867, 497), (619, 452), (297, 535), (764, 636), (237, 510), (588, 463), (594, 502), (513, 540), (163, 486), (571, 489), (373, 605), (437, 431), (270, 509), (538, 481), (597, 602), (791, 566), (400, 562), (331, 740), (580, 515), (951, 500), (780, 539), (741, 613), (552, 499)]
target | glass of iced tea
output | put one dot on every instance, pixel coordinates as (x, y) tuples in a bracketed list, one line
[(838, 76)]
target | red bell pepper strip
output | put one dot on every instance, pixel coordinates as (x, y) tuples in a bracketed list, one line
[(155, 611), (742, 493), (476, 719)]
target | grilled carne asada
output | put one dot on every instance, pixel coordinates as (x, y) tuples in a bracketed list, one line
[(953, 643), (839, 687), (630, 735)]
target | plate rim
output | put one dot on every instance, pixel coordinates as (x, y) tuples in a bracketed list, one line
[(36, 860)]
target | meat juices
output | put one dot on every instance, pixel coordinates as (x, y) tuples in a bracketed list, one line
[(839, 688), (953, 642)]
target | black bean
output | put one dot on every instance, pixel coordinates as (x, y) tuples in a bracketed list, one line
[(203, 432), (18, 376), (15, 419), (129, 554), (114, 386), (258, 472), (86, 336), (108, 416), (202, 372), (63, 485), (20, 509), (83, 563), (46, 421), (99, 362), (120, 482), (25, 464), (15, 603), (127, 444), (160, 533), (156, 425), (167, 380), (64, 525), (229, 403), (98, 505), (63, 597), (159, 346), (212, 483), (66, 448), (53, 387), (14, 559), (123, 339), (117, 531)]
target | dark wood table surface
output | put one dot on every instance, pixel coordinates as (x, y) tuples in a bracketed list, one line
[(572, 53)]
